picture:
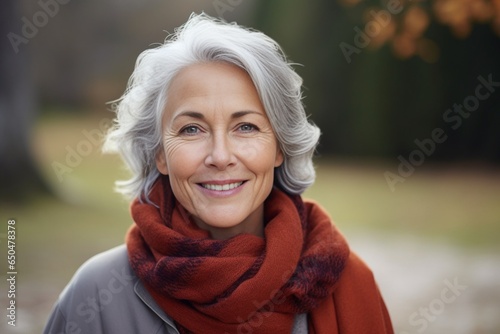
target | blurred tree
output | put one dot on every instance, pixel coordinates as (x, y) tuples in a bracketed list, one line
[(381, 74), (19, 176), (409, 20)]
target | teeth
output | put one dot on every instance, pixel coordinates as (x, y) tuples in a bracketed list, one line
[(221, 187)]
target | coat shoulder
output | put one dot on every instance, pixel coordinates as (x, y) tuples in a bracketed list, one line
[(103, 270), (101, 298)]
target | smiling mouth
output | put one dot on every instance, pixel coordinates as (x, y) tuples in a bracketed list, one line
[(221, 187)]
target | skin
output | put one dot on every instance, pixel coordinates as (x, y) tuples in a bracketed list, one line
[(216, 134)]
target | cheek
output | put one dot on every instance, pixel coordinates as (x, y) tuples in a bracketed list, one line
[(182, 159), (258, 154)]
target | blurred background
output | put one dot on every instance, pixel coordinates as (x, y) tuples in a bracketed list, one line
[(407, 94)]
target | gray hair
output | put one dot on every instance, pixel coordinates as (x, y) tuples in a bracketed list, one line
[(136, 133)]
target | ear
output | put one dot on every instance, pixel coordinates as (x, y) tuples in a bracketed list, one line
[(279, 158), (161, 162)]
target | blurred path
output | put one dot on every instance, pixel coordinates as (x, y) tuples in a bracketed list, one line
[(432, 287)]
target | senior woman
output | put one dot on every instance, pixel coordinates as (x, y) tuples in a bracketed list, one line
[(214, 132)]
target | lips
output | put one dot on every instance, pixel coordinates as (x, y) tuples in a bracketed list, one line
[(221, 187)]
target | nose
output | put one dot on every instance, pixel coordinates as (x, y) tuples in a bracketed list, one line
[(220, 154)]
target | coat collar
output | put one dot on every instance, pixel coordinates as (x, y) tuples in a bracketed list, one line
[(144, 295)]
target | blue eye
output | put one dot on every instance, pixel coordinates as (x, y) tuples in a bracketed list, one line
[(247, 127), (190, 130)]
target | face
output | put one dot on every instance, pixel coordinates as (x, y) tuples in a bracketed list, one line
[(219, 149)]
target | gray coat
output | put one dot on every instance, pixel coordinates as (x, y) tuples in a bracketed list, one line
[(105, 297)]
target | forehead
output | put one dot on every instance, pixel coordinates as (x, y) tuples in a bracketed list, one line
[(210, 86), (211, 76)]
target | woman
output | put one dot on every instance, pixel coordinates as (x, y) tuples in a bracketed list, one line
[(215, 134)]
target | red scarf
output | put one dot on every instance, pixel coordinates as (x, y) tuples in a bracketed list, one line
[(245, 284)]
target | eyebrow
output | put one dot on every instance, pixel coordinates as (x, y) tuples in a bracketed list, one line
[(192, 114), (199, 115)]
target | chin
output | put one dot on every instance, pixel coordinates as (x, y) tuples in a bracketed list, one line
[(223, 223)]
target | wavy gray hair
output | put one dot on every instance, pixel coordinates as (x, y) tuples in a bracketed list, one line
[(136, 133)]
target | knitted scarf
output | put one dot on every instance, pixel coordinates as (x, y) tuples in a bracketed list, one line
[(245, 284)]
